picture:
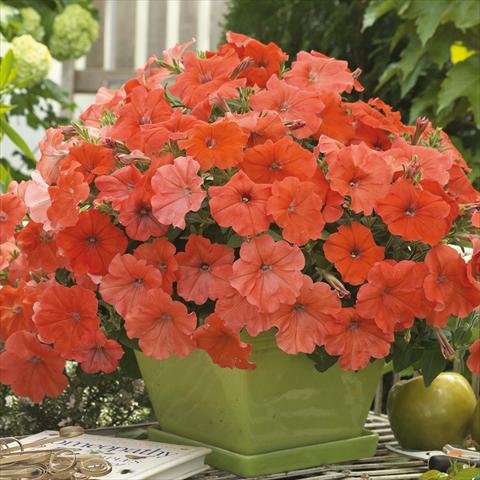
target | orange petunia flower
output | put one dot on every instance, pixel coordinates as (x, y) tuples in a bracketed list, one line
[(360, 173), (377, 114), (217, 144), (137, 217), (96, 353), (203, 77), (177, 191), (161, 254), (177, 125), (266, 61), (163, 326), (118, 186), (198, 266), (305, 323), (241, 204), (473, 265), (40, 248), (145, 107), (459, 186), (12, 211), (330, 200), (223, 344), (295, 207), (432, 163), (14, 313), (448, 286), (63, 315), (272, 162), (53, 150), (70, 190), (292, 104), (90, 160), (358, 340), (92, 243), (414, 214), (31, 368), (337, 123), (473, 361), (259, 127), (393, 295), (353, 251), (128, 281), (268, 273), (314, 71)]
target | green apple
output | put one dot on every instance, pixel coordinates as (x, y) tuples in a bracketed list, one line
[(428, 418)]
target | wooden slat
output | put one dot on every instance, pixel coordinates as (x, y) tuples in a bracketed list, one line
[(90, 80), (123, 34)]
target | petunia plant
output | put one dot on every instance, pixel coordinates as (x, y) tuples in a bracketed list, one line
[(219, 195)]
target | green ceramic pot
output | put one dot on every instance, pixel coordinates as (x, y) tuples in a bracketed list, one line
[(282, 416)]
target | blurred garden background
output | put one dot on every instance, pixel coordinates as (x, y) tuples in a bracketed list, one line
[(420, 56)]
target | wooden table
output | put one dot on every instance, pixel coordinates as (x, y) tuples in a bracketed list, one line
[(385, 465)]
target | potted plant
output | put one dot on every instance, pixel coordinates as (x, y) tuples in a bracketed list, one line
[(261, 243)]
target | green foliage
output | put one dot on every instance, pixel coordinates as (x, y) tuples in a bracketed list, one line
[(402, 46), (91, 401)]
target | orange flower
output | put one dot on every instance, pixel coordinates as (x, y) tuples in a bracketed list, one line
[(90, 160), (360, 173), (128, 281), (272, 162), (473, 361), (266, 62), (460, 188), (137, 217), (305, 323), (291, 103), (268, 273), (259, 127), (223, 344), (118, 186), (145, 107), (217, 144), (92, 243), (177, 191), (330, 200), (353, 252), (241, 204), (358, 340), (198, 267), (15, 313), (473, 265), (314, 71), (448, 286), (393, 295), (432, 163), (31, 368), (12, 211), (414, 214), (163, 326), (203, 77), (96, 353), (295, 207), (64, 314), (71, 189), (53, 150), (39, 247), (161, 254)]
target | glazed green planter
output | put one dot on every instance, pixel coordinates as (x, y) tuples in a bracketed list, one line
[(282, 416)]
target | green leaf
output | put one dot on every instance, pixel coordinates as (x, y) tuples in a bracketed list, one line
[(462, 81), (424, 103), (375, 10), (128, 364), (235, 241), (16, 139), (5, 178), (433, 363), (427, 16), (467, 474), (7, 69), (322, 360), (6, 108)]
